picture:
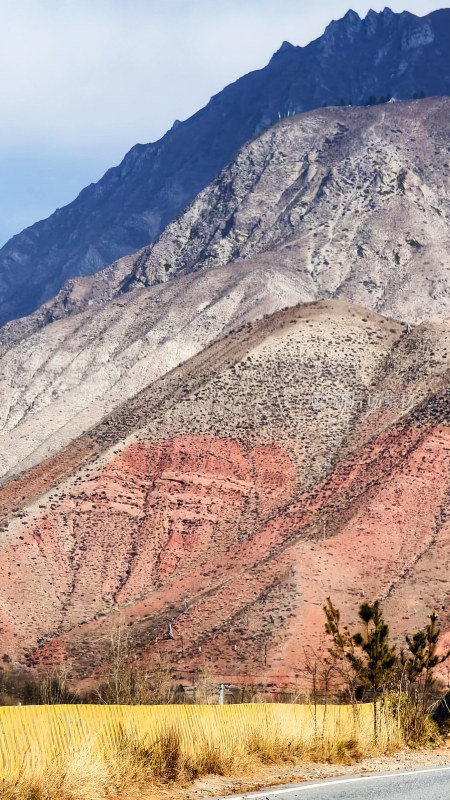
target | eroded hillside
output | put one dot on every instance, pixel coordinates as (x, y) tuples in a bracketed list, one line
[(339, 203), (303, 455)]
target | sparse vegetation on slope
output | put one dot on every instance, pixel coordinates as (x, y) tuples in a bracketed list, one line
[(338, 203), (286, 458)]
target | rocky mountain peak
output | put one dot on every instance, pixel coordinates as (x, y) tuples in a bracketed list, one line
[(347, 28), (285, 49), (351, 17), (355, 62)]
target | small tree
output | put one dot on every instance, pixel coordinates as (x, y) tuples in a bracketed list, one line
[(421, 658), (54, 688), (419, 663), (342, 649), (125, 681), (375, 663), (204, 684), (320, 671), (367, 659)]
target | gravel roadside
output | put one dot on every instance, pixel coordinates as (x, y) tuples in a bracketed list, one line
[(213, 786)]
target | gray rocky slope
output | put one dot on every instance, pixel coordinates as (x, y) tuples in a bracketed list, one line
[(354, 61), (347, 204)]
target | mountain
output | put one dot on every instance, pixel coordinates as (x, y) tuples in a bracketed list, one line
[(355, 61), (281, 464), (336, 203)]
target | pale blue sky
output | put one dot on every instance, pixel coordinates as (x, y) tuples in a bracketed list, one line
[(81, 81)]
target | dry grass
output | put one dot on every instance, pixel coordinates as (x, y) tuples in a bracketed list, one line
[(79, 777), (228, 748)]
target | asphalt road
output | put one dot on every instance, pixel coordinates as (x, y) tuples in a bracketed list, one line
[(424, 784)]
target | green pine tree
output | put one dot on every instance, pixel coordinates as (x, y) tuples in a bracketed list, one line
[(370, 655), (421, 658), (375, 659)]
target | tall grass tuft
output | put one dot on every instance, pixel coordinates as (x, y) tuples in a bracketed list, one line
[(82, 776)]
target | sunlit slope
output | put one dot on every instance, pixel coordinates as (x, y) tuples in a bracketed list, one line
[(303, 455), (348, 203)]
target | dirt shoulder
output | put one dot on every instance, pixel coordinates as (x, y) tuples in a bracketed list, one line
[(264, 777)]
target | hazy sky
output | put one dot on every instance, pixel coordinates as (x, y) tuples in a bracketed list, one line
[(81, 81)]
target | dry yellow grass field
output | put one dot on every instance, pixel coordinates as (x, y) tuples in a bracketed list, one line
[(98, 752)]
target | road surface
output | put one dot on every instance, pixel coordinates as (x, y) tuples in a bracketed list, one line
[(423, 784)]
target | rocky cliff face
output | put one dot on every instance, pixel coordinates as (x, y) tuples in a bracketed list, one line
[(281, 464), (357, 201), (355, 61), (336, 203)]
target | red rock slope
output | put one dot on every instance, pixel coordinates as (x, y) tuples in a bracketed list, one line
[(303, 455)]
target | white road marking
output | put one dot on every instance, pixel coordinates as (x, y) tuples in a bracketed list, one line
[(309, 787)]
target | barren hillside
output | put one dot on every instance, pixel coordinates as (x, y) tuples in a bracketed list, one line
[(281, 464), (346, 203)]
